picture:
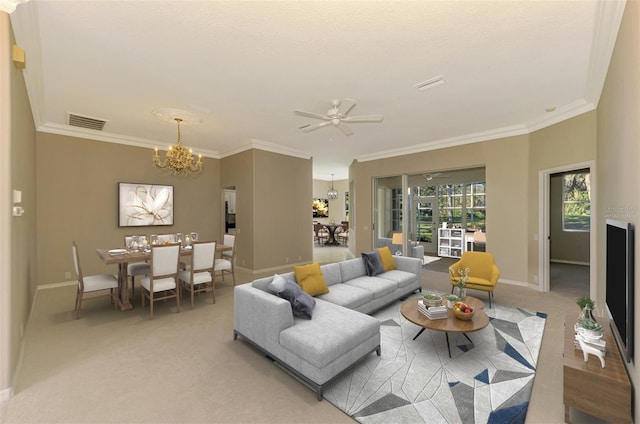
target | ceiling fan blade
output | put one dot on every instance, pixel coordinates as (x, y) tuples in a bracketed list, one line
[(363, 118), (345, 129), (311, 115), (310, 128), (345, 106)]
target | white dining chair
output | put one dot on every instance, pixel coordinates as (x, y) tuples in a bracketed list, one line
[(199, 278), (92, 283), (170, 238), (226, 263), (162, 282), (136, 268)]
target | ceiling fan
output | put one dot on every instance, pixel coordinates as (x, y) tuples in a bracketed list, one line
[(430, 177), (337, 116)]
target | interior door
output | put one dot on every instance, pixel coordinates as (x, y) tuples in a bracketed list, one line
[(426, 223)]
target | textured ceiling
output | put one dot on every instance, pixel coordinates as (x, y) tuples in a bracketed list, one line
[(243, 67)]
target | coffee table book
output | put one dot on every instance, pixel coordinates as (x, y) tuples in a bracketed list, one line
[(433, 312)]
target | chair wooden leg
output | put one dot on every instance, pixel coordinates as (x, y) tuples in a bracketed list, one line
[(178, 299), (79, 307), (192, 290), (151, 304)]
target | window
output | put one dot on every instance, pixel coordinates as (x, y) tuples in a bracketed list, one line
[(476, 207), (576, 202)]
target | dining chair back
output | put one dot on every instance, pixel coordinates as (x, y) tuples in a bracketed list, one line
[(226, 263), (136, 268), (322, 234), (200, 277), (162, 283), (91, 283), (229, 240)]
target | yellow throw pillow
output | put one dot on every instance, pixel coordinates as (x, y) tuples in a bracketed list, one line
[(387, 258), (310, 278)]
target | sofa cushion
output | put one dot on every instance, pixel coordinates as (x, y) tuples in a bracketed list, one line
[(331, 273), (332, 332), (301, 303), (387, 258), (311, 279), (401, 278), (372, 263), (348, 296), (378, 286), (352, 268)]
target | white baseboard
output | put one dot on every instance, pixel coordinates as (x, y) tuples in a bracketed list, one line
[(6, 394)]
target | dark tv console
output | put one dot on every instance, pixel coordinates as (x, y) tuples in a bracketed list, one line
[(602, 392)]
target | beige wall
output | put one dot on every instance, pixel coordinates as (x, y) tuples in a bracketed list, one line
[(618, 166), (17, 137), (273, 213), (282, 211), (77, 198), (237, 171)]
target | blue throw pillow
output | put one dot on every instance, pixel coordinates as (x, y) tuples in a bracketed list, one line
[(301, 303), (372, 263)]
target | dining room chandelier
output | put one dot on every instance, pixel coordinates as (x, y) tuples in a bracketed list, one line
[(178, 159), (332, 194)]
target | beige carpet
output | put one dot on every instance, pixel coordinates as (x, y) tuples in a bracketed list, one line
[(121, 367)]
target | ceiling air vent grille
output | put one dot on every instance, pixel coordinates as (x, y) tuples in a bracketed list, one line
[(86, 122)]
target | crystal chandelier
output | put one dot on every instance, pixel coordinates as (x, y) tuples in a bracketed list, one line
[(332, 194), (178, 160)]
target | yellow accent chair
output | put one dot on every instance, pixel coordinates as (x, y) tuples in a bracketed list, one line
[(483, 272)]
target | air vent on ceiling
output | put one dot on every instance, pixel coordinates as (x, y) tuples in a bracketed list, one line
[(86, 122), (425, 85)]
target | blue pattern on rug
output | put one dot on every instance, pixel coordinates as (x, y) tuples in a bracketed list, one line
[(487, 381)]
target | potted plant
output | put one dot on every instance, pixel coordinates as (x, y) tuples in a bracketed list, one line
[(451, 299), (586, 305), (591, 329), (461, 280)]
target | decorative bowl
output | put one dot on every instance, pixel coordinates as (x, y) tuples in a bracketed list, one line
[(436, 301), (459, 309)]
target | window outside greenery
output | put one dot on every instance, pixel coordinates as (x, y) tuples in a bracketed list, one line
[(576, 202)]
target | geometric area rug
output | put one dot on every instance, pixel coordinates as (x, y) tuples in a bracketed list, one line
[(415, 381)]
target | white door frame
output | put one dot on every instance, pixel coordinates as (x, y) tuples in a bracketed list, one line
[(544, 192)]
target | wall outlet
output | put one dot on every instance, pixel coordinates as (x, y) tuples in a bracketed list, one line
[(287, 259), (535, 278), (67, 274), (299, 258)]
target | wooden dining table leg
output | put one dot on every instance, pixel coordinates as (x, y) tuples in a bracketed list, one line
[(124, 304)]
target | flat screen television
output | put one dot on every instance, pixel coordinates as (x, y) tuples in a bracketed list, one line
[(619, 283)]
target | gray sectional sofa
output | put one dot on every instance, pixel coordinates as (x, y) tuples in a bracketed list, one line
[(339, 334)]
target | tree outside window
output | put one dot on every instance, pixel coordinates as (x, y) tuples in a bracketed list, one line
[(576, 202)]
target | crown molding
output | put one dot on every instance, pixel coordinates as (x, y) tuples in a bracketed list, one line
[(607, 19), (107, 137), (268, 147), (9, 6)]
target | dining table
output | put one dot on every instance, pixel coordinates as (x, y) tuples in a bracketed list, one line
[(123, 257)]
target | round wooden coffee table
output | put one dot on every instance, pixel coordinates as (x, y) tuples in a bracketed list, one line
[(451, 324)]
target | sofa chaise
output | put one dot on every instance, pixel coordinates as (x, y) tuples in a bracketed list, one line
[(340, 332)]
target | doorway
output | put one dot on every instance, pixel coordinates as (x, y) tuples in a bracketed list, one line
[(566, 273), (230, 210)]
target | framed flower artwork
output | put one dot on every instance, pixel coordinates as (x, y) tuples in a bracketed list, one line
[(142, 205)]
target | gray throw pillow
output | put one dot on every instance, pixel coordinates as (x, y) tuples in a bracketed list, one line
[(301, 303), (372, 263)]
